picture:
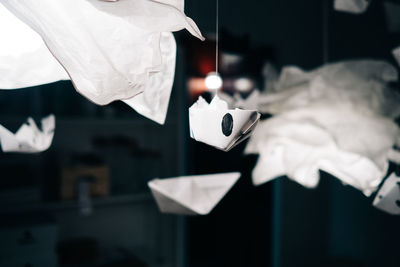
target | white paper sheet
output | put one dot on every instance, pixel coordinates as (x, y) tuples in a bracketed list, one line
[(351, 6), (218, 126), (28, 138), (112, 50), (192, 195), (337, 118), (298, 144), (24, 58), (153, 102), (388, 197)]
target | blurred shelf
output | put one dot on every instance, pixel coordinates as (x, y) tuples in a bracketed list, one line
[(73, 204)]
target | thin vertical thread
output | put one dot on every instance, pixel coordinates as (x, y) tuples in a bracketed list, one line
[(217, 36)]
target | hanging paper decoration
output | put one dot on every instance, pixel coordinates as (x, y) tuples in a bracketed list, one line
[(218, 126), (24, 58), (112, 50), (192, 195), (29, 138), (337, 118)]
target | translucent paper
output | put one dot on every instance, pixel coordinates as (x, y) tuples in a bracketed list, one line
[(29, 138), (337, 118), (24, 58), (112, 50), (218, 126), (192, 195)]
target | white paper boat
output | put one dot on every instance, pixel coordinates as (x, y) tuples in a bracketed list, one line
[(216, 125), (28, 138), (192, 195)]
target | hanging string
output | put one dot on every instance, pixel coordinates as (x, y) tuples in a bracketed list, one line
[(217, 35)]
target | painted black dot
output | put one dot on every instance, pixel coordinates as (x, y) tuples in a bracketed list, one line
[(398, 203), (380, 196), (227, 124)]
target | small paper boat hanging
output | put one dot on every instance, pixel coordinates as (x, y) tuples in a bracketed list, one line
[(192, 195), (28, 139), (216, 125)]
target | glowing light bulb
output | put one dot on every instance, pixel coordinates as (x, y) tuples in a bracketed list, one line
[(213, 81)]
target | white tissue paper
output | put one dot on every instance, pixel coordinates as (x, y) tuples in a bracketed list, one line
[(24, 58), (337, 118), (216, 125), (351, 6), (112, 50), (28, 138), (388, 196), (396, 53), (192, 195)]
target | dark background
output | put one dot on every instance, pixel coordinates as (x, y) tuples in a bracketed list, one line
[(276, 224)]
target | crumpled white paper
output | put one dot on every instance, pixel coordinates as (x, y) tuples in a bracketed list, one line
[(388, 196), (112, 50), (192, 195), (337, 118), (351, 6), (28, 138), (359, 84), (24, 58), (218, 126)]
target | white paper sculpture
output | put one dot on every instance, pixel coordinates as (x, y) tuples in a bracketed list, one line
[(351, 6), (24, 58), (28, 139), (218, 126), (192, 195), (396, 53), (388, 197), (337, 118), (112, 50)]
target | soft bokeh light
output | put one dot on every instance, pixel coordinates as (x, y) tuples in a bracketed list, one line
[(213, 81), (244, 84)]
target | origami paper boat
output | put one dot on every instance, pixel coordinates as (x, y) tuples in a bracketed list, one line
[(192, 195), (28, 138), (216, 125)]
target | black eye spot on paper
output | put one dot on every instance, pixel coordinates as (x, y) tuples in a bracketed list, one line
[(227, 124)]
